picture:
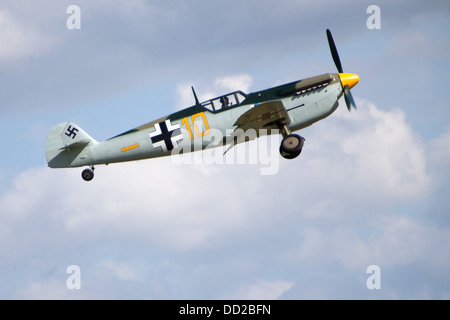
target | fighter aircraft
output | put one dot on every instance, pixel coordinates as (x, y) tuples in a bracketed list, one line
[(278, 110)]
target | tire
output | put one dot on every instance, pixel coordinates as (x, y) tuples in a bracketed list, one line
[(289, 155), (292, 144), (87, 174)]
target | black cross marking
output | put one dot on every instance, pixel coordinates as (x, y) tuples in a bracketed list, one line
[(71, 132), (166, 135)]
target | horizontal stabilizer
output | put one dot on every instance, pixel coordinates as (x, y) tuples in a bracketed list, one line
[(77, 144)]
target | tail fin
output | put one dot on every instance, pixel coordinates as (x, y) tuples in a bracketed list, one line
[(68, 146)]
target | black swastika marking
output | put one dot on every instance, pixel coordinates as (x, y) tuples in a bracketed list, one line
[(71, 132)]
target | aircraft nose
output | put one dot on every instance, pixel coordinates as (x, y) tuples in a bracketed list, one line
[(349, 79)]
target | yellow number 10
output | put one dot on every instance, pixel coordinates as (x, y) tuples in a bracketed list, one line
[(197, 131)]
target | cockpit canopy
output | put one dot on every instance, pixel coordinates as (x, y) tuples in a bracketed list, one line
[(226, 101)]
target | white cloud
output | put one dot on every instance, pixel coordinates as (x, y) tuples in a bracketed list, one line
[(377, 152), (392, 241), (390, 151), (262, 290), (439, 154), (365, 188), (121, 270), (49, 289), (20, 41), (235, 82), (341, 202), (220, 86)]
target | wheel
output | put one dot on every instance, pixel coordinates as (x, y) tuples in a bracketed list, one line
[(292, 144), (289, 155), (87, 174)]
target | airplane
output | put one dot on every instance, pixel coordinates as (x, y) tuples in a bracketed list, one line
[(279, 110)]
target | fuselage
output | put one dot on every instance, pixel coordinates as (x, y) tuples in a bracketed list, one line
[(226, 120), (204, 124)]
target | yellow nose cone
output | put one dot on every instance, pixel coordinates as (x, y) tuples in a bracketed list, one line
[(349, 79)]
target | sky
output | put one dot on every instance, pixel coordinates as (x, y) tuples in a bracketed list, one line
[(369, 189)]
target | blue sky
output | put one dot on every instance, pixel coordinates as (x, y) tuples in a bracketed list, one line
[(370, 188)]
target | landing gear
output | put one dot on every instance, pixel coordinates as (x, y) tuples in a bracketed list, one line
[(291, 145), (88, 174)]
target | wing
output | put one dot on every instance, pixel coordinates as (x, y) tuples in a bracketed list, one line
[(267, 115)]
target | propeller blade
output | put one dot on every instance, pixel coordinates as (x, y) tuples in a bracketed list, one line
[(347, 80), (334, 52), (349, 98)]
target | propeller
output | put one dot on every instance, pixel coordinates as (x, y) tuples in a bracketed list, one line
[(348, 80)]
